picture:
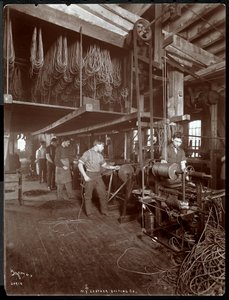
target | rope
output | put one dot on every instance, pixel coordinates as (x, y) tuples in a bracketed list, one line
[(36, 53), (9, 35), (203, 270)]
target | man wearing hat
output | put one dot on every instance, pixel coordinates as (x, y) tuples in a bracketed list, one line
[(50, 157)]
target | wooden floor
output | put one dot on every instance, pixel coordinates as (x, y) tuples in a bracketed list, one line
[(52, 248)]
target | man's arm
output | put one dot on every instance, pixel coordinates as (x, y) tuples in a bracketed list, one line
[(183, 161), (82, 171), (48, 157), (109, 167), (163, 156)]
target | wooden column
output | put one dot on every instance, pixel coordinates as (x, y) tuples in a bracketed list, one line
[(175, 104), (158, 38), (213, 144)]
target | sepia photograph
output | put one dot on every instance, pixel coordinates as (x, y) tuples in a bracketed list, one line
[(114, 148)]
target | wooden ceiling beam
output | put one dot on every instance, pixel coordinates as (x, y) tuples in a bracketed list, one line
[(181, 61), (90, 18), (196, 53), (181, 68), (183, 56), (217, 48), (72, 19), (108, 16), (137, 8), (189, 17), (125, 14), (209, 39), (216, 68), (201, 28)]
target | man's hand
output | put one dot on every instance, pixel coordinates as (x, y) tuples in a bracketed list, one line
[(116, 168), (65, 167), (163, 161), (87, 178)]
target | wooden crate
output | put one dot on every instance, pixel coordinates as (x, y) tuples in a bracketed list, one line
[(95, 104)]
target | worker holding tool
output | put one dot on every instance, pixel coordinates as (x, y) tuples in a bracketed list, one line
[(173, 153), (90, 165)]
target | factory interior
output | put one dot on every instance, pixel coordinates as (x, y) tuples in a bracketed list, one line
[(131, 79)]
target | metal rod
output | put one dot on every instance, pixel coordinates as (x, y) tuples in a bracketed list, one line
[(138, 100), (7, 51), (183, 186), (110, 182), (113, 195), (151, 100)]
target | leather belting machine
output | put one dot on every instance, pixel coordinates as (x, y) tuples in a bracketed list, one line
[(178, 204)]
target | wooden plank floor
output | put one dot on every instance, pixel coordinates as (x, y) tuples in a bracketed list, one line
[(51, 249)]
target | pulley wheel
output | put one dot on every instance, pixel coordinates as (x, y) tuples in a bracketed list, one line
[(143, 29), (125, 172)]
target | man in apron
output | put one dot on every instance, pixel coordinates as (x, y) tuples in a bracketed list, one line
[(63, 160)]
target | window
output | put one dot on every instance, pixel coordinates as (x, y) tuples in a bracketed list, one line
[(194, 140), (21, 142)]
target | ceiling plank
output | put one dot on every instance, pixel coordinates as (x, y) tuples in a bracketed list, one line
[(137, 8), (218, 67), (122, 12), (82, 14), (201, 28), (218, 47), (209, 39), (108, 16), (184, 56), (198, 54), (183, 69), (65, 18), (189, 17), (181, 61)]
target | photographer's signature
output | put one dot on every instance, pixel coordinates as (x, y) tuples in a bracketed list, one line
[(17, 277)]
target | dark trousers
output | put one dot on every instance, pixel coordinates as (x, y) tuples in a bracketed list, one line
[(42, 169), (96, 183), (51, 174)]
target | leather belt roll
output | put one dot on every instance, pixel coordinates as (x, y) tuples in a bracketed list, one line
[(168, 170)]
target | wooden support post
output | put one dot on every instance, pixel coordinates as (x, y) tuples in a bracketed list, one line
[(151, 99), (131, 82), (138, 100), (175, 105), (20, 187), (213, 158), (158, 38)]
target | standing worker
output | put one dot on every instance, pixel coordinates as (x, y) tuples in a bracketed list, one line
[(63, 160), (93, 160), (50, 157), (41, 161)]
